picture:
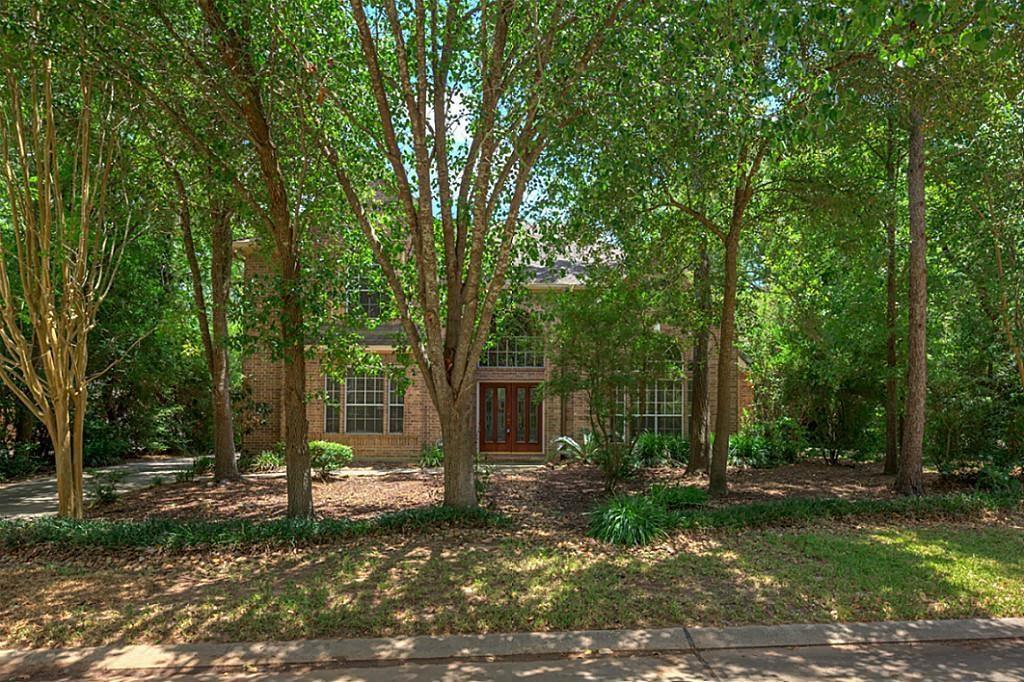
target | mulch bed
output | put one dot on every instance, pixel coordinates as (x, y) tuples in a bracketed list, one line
[(540, 498)]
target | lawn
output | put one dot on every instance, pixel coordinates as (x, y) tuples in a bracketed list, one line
[(511, 580)]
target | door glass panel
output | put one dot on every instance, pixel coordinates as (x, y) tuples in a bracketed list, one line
[(521, 414), (500, 435), (534, 418), (488, 415)]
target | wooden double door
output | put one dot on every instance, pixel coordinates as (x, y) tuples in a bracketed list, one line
[(510, 417)]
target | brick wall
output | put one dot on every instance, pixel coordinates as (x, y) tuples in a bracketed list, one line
[(569, 415)]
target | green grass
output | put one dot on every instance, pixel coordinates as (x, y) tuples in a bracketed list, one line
[(475, 582), (173, 534)]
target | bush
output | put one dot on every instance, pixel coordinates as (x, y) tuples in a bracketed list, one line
[(268, 460), (998, 480), (326, 457), (21, 461), (629, 520), (103, 445), (654, 449), (767, 444), (616, 462), (432, 455), (582, 450), (103, 487), (677, 497), (174, 534)]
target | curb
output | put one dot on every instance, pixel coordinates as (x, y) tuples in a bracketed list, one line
[(150, 659)]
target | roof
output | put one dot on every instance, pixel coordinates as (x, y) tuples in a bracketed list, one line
[(561, 274)]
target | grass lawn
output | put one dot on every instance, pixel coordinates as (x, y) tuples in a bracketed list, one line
[(503, 580)]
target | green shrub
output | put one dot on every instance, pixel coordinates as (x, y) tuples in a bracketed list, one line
[(654, 449), (103, 487), (616, 462), (481, 476), (629, 520), (677, 497), (582, 450), (174, 534), (268, 460), (432, 455), (326, 457), (21, 461), (1000, 480), (764, 445), (103, 445)]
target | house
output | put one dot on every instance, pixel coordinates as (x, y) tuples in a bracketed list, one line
[(514, 421)]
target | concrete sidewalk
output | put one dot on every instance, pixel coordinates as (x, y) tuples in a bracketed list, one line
[(927, 650), (38, 496)]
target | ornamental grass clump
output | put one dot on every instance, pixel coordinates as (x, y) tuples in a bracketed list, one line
[(629, 520)]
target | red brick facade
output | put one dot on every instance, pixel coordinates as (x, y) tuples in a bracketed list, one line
[(561, 416)]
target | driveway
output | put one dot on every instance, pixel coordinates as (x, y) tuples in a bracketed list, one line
[(38, 496)]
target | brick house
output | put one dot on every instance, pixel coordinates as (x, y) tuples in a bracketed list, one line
[(514, 422)]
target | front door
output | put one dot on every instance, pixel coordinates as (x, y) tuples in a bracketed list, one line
[(510, 418)]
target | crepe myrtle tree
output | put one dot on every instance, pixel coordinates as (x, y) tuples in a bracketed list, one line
[(61, 243), (432, 116)]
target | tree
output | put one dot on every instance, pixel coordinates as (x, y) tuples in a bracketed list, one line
[(213, 319), (443, 110), (64, 249), (219, 94)]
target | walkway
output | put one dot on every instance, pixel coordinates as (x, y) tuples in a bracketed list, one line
[(38, 496), (978, 649)]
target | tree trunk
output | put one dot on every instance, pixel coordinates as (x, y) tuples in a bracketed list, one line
[(24, 424), (69, 490), (459, 453), (909, 480), (892, 399), (699, 418), (726, 375), (296, 450), (225, 466)]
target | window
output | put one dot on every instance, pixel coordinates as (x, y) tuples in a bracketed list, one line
[(364, 404), (514, 351), (332, 405), (368, 297), (662, 408), (659, 410), (396, 407)]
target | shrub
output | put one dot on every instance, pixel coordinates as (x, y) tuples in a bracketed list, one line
[(677, 497), (325, 457), (767, 444), (582, 450), (268, 460), (616, 462), (654, 449), (629, 520), (432, 455), (21, 461), (998, 480), (103, 445), (175, 534), (481, 476), (103, 487)]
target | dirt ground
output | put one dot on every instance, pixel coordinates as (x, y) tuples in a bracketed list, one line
[(538, 497)]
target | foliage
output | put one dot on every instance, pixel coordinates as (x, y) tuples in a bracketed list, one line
[(629, 520), (677, 497), (172, 534), (21, 461), (616, 463), (582, 450), (431, 455), (266, 460), (103, 487), (655, 449), (481, 476), (325, 457), (198, 467), (767, 444), (998, 480)]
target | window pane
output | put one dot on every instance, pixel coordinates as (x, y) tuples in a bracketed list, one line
[(364, 404), (488, 415), (332, 405), (534, 417), (500, 436), (396, 408), (521, 415)]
